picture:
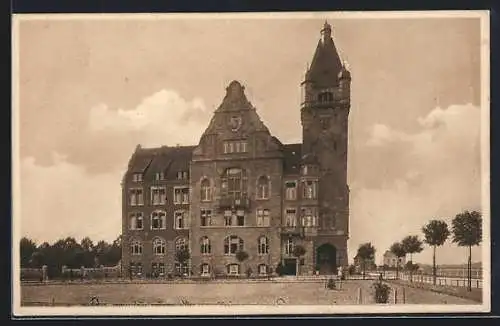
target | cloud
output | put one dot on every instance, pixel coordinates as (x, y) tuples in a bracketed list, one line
[(415, 177), (110, 135), (65, 200), (164, 118)]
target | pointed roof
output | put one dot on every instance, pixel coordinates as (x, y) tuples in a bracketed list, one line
[(326, 65)]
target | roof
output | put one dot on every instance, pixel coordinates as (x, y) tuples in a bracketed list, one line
[(326, 66), (168, 160)]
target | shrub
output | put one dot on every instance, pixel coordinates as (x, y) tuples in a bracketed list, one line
[(331, 284), (382, 292), (249, 272), (280, 269)]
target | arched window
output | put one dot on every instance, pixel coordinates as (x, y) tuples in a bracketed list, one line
[(136, 247), (289, 246), (232, 244), (233, 269), (136, 221), (206, 194), (205, 247), (263, 246), (205, 269), (158, 220), (159, 245), (263, 187), (234, 183), (181, 244)]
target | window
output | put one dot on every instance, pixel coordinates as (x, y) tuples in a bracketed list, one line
[(182, 269), (181, 195), (157, 269), (236, 218), (291, 217), (308, 217), (309, 189), (325, 123), (232, 244), (289, 246), (205, 247), (234, 183), (263, 246), (136, 268), (325, 97), (291, 190), (158, 195), (233, 269), (206, 217), (235, 147), (159, 246), (206, 193), (205, 269), (136, 221), (159, 176), (181, 244), (304, 170), (263, 218), (240, 218), (136, 197), (158, 220), (137, 177), (262, 269), (182, 175), (180, 220), (136, 247), (263, 188)]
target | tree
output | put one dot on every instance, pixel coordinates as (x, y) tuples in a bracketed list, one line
[(398, 251), (27, 249), (412, 245), (182, 256), (435, 232), (366, 254), (298, 252), (241, 256), (468, 232)]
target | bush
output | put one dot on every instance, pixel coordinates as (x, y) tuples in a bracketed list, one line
[(280, 269), (382, 292), (331, 284), (249, 272)]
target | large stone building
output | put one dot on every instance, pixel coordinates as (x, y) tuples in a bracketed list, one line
[(241, 189)]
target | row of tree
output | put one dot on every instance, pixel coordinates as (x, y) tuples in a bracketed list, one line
[(68, 252), (466, 231)]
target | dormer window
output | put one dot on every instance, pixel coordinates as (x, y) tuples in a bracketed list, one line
[(159, 176), (137, 177), (305, 170), (182, 175)]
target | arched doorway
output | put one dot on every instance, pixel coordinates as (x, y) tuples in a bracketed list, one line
[(326, 259)]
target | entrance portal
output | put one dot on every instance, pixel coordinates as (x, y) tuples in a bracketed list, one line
[(326, 259), (290, 266)]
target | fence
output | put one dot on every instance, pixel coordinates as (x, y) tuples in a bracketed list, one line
[(441, 280)]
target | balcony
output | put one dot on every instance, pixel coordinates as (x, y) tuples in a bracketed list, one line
[(234, 203), (290, 230)]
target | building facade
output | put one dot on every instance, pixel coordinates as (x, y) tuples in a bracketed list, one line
[(391, 261), (241, 190)]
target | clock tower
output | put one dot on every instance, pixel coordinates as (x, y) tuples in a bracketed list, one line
[(324, 116)]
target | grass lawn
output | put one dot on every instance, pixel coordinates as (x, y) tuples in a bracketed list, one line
[(262, 293)]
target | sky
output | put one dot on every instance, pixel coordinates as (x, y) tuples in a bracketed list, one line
[(90, 90)]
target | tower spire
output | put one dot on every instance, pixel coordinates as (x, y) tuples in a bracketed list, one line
[(326, 31)]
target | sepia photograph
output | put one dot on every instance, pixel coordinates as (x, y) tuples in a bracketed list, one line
[(251, 163)]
